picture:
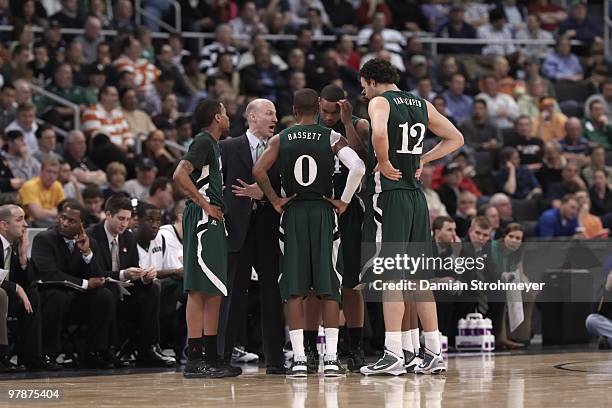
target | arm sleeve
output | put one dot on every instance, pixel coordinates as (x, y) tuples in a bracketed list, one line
[(351, 160)]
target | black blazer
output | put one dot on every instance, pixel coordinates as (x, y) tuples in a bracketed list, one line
[(448, 198), (16, 275), (237, 163), (128, 252), (52, 260)]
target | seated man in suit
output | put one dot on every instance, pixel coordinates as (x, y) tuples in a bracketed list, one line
[(117, 258), (23, 298), (73, 286)]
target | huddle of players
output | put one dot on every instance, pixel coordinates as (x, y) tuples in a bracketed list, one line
[(320, 174)]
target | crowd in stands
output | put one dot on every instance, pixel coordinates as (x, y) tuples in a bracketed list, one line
[(536, 118)]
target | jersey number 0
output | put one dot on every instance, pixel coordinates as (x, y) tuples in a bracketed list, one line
[(305, 170)]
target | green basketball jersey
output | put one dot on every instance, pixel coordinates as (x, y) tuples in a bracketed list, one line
[(306, 161), (340, 170), (406, 129), (206, 159)]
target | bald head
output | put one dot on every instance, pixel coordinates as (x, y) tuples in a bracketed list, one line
[(261, 117), (573, 128)]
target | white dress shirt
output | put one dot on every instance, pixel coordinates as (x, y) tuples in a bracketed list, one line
[(253, 142)]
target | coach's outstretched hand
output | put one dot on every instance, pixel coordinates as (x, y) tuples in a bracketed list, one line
[(340, 205), (387, 170), (279, 205)]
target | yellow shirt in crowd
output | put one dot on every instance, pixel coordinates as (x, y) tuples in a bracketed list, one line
[(33, 192)]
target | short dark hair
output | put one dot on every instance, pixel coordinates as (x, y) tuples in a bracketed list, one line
[(72, 204), (379, 70), (160, 183), (127, 42), (13, 135), (482, 101), (6, 86), (26, 107), (439, 221), (116, 203), (507, 153), (105, 88), (92, 191), (181, 120), (42, 129), (124, 90), (206, 111), (143, 207), (306, 101), (332, 93), (480, 221)]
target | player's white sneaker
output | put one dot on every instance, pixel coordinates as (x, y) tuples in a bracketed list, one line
[(411, 361), (333, 368), (389, 364), (241, 356), (297, 370), (432, 364)]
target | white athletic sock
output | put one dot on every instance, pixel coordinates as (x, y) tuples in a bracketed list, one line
[(393, 343), (416, 341), (297, 344), (331, 344), (432, 341), (407, 341)]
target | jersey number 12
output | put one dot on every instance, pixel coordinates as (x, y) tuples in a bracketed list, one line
[(416, 131)]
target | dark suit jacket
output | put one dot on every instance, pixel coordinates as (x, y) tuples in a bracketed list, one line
[(52, 260), (237, 163), (252, 85), (448, 198), (128, 252), (17, 275)]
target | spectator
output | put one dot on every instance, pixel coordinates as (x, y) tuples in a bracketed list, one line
[(449, 190), (605, 97), (204, 16), (347, 56), (64, 87), (155, 149), (457, 28), (222, 45), (17, 65), (22, 164), (466, 210), (562, 65), (145, 73), (476, 13), (496, 29), (377, 49), (591, 224), (514, 179), (549, 13), (41, 65), (479, 132), (529, 103), (7, 105), (169, 111), (75, 154), (116, 174), (161, 194), (530, 148), (533, 31), (440, 104), (501, 107), (97, 8), (369, 9), (261, 79), (25, 122), (393, 40), (342, 15), (53, 40), (597, 162), (74, 57), (574, 146), (552, 165), (459, 104), (514, 13), (561, 221), (145, 175), (316, 24), (47, 141), (580, 26), (436, 13), (549, 125), (41, 195), (424, 89), (600, 323), (304, 42), (91, 39), (123, 18), (600, 194), (96, 79), (68, 16), (569, 184), (72, 188), (503, 205), (164, 85), (92, 204), (138, 121), (435, 205), (192, 77), (597, 129), (184, 132), (106, 117), (490, 213), (166, 64), (247, 23)]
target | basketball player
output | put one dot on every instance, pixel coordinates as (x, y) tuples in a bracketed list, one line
[(204, 242), (398, 211), (337, 113), (309, 237)]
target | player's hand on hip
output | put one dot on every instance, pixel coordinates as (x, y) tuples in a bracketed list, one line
[(387, 170), (247, 190), (279, 205), (339, 205), (213, 211), (417, 174)]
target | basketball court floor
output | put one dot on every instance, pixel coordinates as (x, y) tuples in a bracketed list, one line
[(548, 379)]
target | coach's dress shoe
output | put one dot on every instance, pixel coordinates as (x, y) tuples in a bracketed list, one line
[(43, 363), (117, 361), (508, 344), (276, 370), (7, 367), (152, 357), (232, 371), (97, 359)]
